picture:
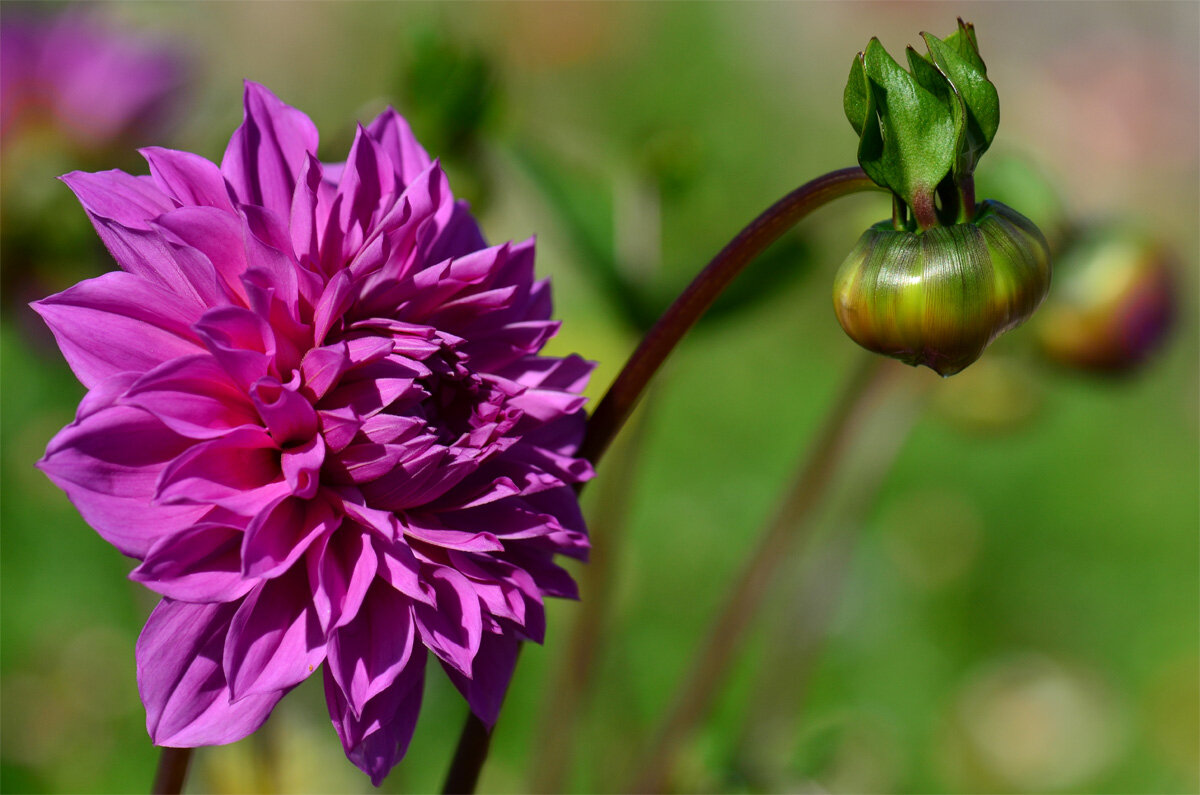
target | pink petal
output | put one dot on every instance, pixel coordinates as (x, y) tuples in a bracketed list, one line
[(218, 235), (275, 640), (279, 535), (452, 628), (491, 672), (117, 196), (267, 152), (288, 415), (241, 341), (379, 738), (194, 397), (341, 565), (108, 464), (182, 682), (396, 140), (189, 179), (201, 563), (95, 321), (369, 652), (238, 471)]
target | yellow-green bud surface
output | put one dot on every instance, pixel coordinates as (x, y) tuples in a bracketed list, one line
[(939, 297)]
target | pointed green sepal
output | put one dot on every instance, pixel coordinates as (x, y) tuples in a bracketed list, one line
[(857, 97), (922, 130), (914, 146), (976, 101)]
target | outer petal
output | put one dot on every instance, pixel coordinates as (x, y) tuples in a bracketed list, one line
[(490, 674), (275, 641), (199, 564), (117, 196), (267, 152), (182, 682), (97, 321), (367, 654), (453, 627), (378, 739), (189, 179), (193, 396), (108, 463), (396, 140)]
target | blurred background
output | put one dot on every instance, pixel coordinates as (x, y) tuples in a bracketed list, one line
[(1000, 592)]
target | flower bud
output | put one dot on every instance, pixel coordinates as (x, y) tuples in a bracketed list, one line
[(1115, 305), (940, 296)]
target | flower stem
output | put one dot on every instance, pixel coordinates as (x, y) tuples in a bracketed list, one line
[(712, 661), (622, 396), (172, 771)]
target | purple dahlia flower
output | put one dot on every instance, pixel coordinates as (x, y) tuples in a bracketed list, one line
[(318, 417)]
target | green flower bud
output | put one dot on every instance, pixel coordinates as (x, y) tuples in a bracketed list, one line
[(939, 297), (1115, 305)]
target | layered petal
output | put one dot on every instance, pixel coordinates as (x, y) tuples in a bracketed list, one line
[(181, 680)]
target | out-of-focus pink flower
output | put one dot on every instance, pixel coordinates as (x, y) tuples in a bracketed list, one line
[(93, 84), (318, 417)]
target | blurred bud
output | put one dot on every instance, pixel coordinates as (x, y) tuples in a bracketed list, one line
[(939, 297), (1114, 306)]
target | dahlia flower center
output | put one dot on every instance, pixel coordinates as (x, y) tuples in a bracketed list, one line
[(457, 405)]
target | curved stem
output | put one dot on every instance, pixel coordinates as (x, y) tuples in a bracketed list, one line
[(658, 343), (622, 396), (712, 661), (172, 771)]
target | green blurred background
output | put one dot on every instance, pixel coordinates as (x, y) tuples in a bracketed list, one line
[(1002, 590)]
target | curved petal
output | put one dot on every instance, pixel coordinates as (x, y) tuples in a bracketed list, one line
[(194, 397), (182, 683), (108, 464), (189, 179), (490, 674), (378, 738), (367, 654), (202, 563), (266, 153), (279, 535), (396, 140), (117, 196), (119, 323), (275, 640), (341, 566), (452, 628)]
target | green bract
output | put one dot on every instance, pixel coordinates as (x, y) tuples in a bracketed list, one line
[(922, 130), (939, 297)]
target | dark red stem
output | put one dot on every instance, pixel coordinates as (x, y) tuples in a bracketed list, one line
[(172, 771)]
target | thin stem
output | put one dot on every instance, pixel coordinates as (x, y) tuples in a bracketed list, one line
[(810, 590), (966, 198), (469, 756), (622, 396), (172, 771), (692, 303), (712, 661)]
